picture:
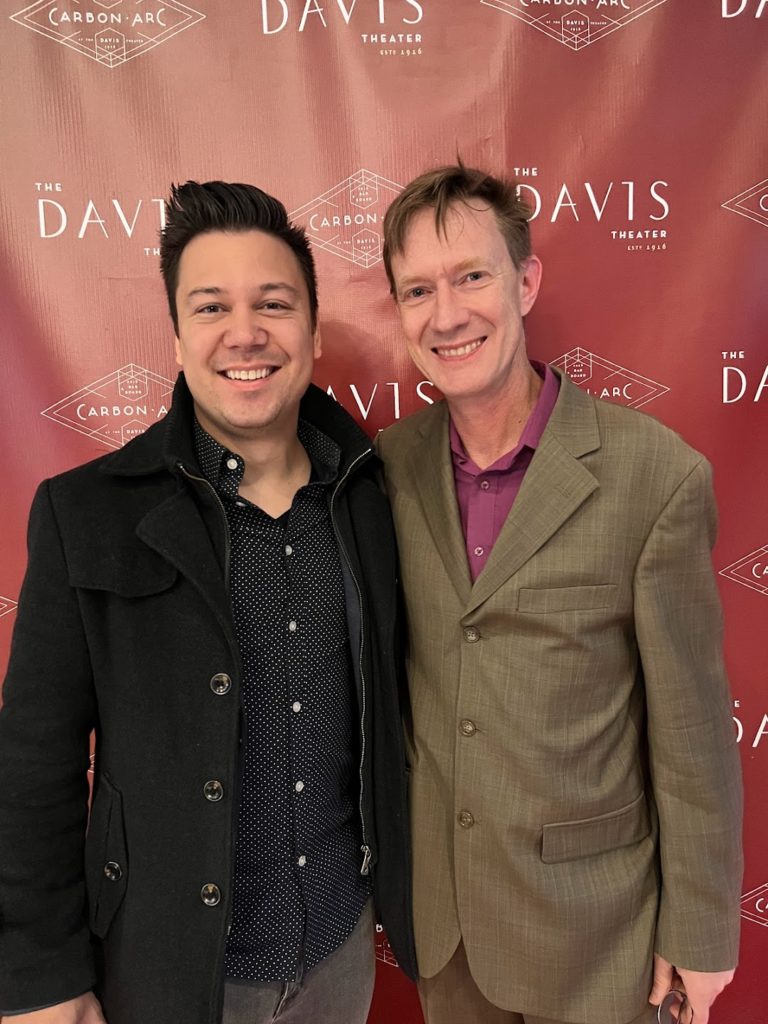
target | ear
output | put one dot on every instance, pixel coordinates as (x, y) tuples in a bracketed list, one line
[(530, 282), (177, 349), (317, 343)]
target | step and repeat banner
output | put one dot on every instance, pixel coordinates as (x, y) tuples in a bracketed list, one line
[(636, 128)]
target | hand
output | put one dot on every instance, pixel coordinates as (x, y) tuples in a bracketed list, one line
[(85, 1009), (701, 988)]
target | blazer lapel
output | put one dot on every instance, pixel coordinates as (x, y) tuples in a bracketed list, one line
[(431, 470), (555, 485)]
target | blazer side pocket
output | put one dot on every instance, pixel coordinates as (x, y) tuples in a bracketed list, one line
[(106, 857), (571, 840)]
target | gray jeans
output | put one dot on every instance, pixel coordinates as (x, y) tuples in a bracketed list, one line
[(337, 991)]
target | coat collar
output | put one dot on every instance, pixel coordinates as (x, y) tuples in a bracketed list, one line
[(169, 444), (555, 485)]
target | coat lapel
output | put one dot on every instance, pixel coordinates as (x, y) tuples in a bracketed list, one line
[(177, 532), (555, 485), (431, 470)]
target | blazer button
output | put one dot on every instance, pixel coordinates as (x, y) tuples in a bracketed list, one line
[(213, 791), (113, 871), (210, 894), (221, 683), (465, 819), (471, 635), (467, 727)]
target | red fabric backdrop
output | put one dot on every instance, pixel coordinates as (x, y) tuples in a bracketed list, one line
[(637, 128)]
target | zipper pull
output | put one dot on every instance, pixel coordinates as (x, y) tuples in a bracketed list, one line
[(366, 859)]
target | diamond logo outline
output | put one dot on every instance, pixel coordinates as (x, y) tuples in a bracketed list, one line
[(580, 356), (738, 203), (731, 572), (574, 29), (383, 949), (362, 244), (756, 896), (7, 605), (110, 48), (110, 436)]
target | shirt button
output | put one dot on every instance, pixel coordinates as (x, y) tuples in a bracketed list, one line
[(465, 819), (210, 894), (296, 706), (485, 485), (299, 786), (221, 683), (467, 727), (113, 871), (301, 861), (231, 463), (292, 627), (288, 549), (213, 791), (479, 551), (471, 635)]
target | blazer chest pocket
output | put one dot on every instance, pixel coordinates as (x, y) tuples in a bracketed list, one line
[(566, 599), (570, 840), (106, 857)]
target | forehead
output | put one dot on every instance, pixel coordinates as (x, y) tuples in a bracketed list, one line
[(230, 258), (469, 232)]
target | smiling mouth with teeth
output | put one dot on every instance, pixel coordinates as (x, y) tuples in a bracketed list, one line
[(462, 350), (265, 371)]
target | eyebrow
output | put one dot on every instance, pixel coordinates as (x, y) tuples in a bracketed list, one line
[(264, 289)]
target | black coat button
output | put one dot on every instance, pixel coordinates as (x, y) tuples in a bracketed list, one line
[(210, 894), (213, 790), (113, 871), (221, 683)]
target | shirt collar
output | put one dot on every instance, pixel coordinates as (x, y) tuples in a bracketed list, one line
[(532, 431), (324, 454)]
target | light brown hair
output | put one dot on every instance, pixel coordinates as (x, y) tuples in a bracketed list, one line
[(443, 188)]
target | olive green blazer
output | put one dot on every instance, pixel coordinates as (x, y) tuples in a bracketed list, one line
[(575, 784)]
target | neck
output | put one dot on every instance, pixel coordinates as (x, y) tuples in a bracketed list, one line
[(491, 426), (276, 465)]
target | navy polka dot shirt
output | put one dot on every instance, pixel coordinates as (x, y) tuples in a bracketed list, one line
[(298, 891)]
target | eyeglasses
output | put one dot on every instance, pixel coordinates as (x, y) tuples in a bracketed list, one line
[(675, 1000)]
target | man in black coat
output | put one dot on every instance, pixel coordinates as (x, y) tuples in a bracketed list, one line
[(217, 601)]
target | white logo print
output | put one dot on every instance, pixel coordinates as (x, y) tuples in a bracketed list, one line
[(604, 379), (6, 606), (116, 408), (751, 570), (108, 31), (575, 27), (346, 220), (754, 905), (752, 203), (383, 948)]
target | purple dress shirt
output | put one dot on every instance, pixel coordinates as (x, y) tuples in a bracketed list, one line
[(485, 496)]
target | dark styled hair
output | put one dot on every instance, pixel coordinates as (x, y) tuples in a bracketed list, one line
[(195, 209), (443, 188)]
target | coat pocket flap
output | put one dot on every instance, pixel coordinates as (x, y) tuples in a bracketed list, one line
[(566, 599), (140, 577), (570, 840)]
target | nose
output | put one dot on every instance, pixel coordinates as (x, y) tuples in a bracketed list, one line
[(244, 330), (448, 312)]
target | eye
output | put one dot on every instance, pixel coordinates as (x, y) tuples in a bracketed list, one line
[(414, 294), (273, 306), (474, 276), (210, 307)]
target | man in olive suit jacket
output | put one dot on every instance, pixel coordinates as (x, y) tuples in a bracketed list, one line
[(575, 789)]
